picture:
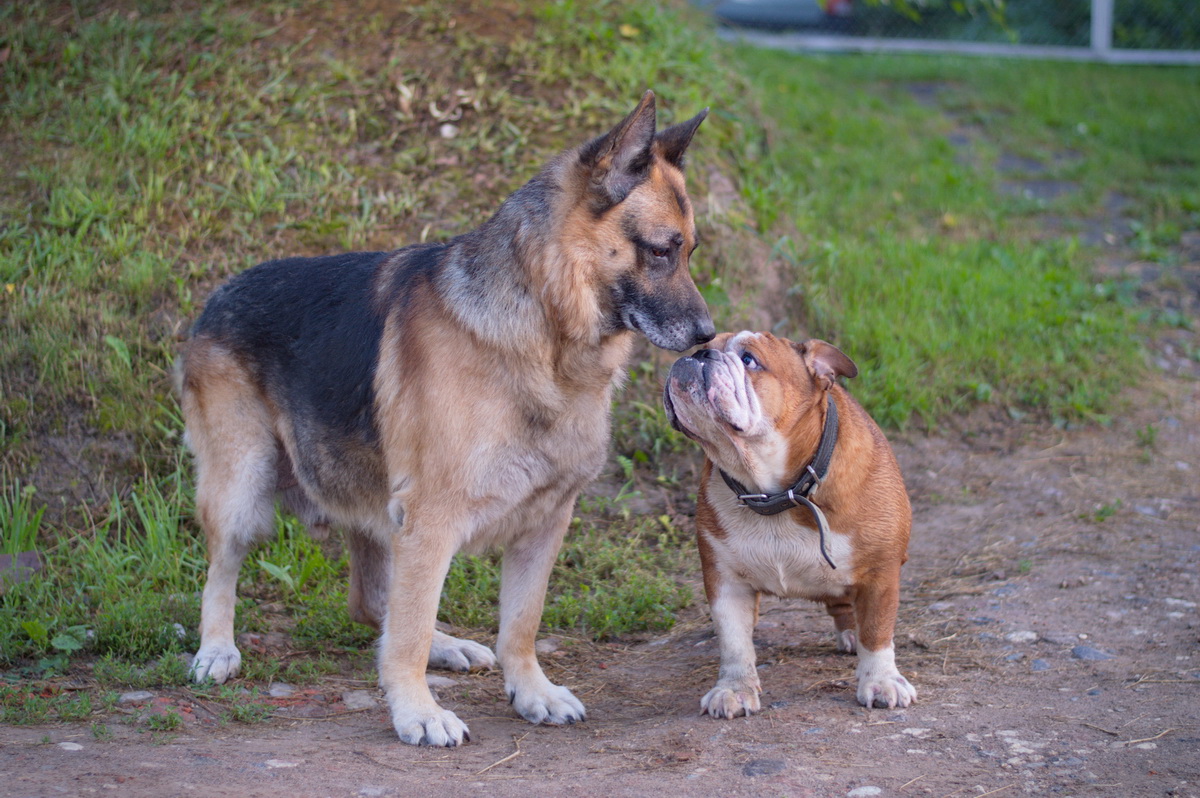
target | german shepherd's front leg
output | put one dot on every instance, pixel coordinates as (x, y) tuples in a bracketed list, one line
[(523, 579), (421, 554)]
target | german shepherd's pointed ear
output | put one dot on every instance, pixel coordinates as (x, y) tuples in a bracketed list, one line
[(672, 142), (826, 361), (620, 159)]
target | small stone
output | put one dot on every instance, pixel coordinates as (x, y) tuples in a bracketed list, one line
[(358, 699), (777, 705), (435, 681), (135, 697), (1091, 654), (941, 606), (1066, 761), (448, 131), (764, 767), (1039, 665), (1015, 657), (864, 792), (1021, 637), (1061, 638), (281, 763), (70, 746), (281, 690), (372, 792)]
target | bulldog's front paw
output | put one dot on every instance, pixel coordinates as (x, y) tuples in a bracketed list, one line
[(886, 692), (549, 703), (216, 661), (455, 654), (429, 726), (879, 683), (730, 701)]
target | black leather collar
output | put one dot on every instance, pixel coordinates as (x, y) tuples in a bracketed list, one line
[(799, 493)]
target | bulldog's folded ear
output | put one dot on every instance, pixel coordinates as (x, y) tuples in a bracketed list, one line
[(826, 361)]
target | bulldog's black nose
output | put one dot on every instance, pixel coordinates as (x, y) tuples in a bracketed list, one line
[(707, 354)]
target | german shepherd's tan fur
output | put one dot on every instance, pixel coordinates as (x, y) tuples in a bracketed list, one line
[(439, 398)]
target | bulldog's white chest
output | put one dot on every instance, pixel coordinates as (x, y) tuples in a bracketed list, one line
[(774, 554)]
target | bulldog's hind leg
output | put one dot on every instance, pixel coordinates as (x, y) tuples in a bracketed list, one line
[(228, 428), (845, 635)]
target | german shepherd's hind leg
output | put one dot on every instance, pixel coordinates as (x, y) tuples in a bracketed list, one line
[(421, 556), (370, 570), (236, 455), (524, 575), (457, 654)]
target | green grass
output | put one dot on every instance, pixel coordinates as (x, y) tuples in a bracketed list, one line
[(945, 290), (20, 518), (155, 154), (612, 577)]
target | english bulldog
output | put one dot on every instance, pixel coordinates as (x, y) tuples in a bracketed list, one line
[(800, 496)]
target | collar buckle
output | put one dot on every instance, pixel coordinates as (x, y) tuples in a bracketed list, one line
[(816, 481)]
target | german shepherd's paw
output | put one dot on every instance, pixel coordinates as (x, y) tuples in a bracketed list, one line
[(436, 727), (216, 661), (730, 700), (455, 654), (550, 703)]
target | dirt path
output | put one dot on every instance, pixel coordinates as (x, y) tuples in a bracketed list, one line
[(1050, 623)]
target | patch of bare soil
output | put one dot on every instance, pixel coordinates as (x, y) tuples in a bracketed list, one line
[(1049, 622)]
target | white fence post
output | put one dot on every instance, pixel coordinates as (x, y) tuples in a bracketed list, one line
[(1102, 28)]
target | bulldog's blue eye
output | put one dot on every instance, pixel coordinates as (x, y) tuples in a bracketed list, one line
[(748, 361)]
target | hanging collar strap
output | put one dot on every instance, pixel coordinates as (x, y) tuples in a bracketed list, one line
[(801, 492)]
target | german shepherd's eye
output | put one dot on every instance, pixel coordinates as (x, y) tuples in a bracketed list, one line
[(660, 252), (750, 362)]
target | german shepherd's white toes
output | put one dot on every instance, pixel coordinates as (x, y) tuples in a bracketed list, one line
[(551, 704), (456, 654), (440, 728), (216, 661)]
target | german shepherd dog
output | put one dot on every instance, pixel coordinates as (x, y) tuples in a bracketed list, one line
[(438, 398)]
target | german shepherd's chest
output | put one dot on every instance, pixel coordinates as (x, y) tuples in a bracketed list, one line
[(522, 440)]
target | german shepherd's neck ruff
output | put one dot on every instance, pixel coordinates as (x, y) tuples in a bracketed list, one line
[(439, 397)]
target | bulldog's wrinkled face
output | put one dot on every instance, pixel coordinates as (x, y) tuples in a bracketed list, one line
[(749, 396)]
